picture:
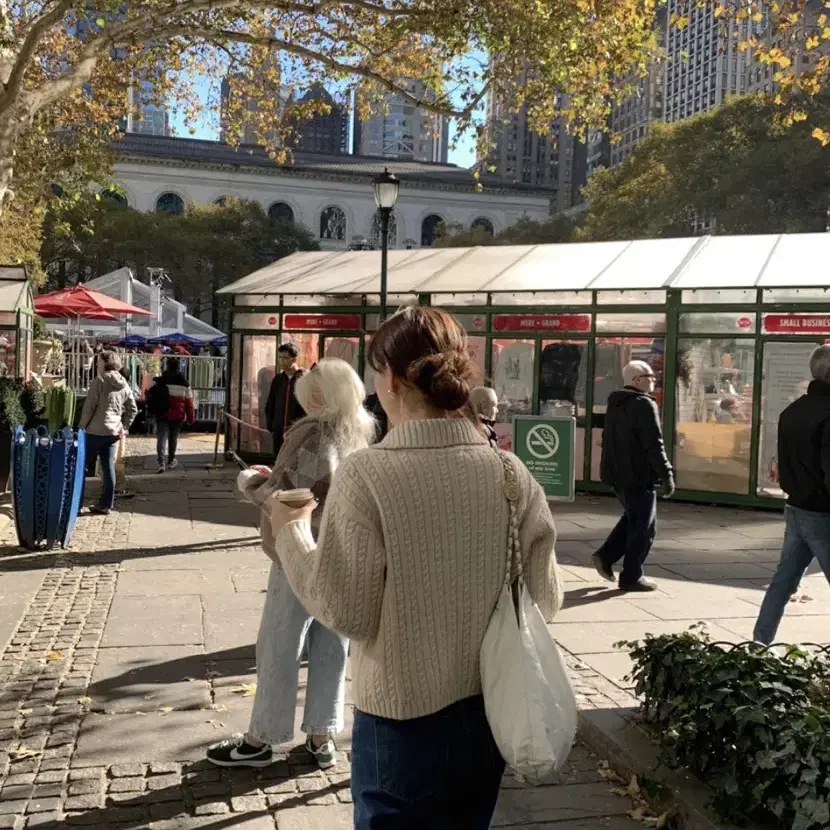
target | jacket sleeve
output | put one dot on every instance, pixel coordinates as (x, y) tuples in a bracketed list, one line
[(189, 408), (340, 579), (825, 455), (537, 534), (93, 395), (270, 405), (651, 439), (128, 414)]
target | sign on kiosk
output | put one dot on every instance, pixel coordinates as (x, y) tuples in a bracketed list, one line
[(547, 447)]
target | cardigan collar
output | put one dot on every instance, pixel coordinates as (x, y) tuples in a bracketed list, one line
[(432, 434)]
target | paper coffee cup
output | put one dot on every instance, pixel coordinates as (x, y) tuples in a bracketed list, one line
[(296, 498)]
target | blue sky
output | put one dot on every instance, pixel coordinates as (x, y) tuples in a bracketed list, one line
[(463, 155)]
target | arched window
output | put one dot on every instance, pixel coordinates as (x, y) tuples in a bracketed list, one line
[(376, 230), (333, 224), (170, 203), (114, 196), (281, 212), (429, 230), (485, 223)]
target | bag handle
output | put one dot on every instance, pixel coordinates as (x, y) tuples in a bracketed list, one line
[(512, 491)]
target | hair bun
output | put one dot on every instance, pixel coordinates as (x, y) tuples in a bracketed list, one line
[(444, 378)]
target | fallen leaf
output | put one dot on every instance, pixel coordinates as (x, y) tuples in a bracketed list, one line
[(54, 655), (638, 814), (216, 724), (165, 709), (246, 690), (84, 701), (23, 752), (26, 711), (633, 787), (663, 821)]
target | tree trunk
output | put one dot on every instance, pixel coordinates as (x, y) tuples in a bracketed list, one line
[(8, 137)]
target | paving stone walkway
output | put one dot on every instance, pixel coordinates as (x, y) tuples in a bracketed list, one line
[(128, 654)]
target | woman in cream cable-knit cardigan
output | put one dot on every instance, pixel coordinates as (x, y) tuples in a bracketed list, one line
[(408, 563)]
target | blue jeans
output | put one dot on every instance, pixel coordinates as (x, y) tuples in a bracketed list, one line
[(103, 447), (632, 537), (167, 439), (807, 536), (440, 772), (283, 631)]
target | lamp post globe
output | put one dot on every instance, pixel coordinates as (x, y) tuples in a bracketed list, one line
[(386, 194)]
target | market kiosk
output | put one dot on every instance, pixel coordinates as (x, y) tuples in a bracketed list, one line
[(16, 322), (727, 323)]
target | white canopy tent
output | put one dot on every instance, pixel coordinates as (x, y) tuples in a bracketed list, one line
[(122, 285), (709, 262)]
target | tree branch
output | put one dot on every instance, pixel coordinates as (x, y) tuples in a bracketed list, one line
[(365, 72), (37, 29)]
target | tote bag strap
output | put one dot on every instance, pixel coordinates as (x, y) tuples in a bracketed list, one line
[(512, 491)]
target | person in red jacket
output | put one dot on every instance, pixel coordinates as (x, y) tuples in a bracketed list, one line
[(171, 401)]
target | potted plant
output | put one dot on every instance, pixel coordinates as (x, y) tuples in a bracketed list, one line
[(12, 415)]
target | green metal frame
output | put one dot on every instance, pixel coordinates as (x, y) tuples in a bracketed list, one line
[(673, 309)]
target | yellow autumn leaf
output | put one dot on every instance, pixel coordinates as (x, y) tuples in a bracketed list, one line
[(84, 701), (784, 62), (246, 690), (757, 17), (812, 42), (778, 99), (825, 33), (720, 10), (822, 135), (54, 655), (799, 116)]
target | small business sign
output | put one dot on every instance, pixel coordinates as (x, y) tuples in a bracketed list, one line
[(547, 447), (321, 322), (542, 322), (797, 324)]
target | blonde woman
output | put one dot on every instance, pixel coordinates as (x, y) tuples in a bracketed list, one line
[(336, 425)]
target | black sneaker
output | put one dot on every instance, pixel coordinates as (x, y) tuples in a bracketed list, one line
[(642, 586), (325, 755), (603, 569), (237, 752)]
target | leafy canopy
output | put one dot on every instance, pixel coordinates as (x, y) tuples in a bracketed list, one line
[(740, 164)]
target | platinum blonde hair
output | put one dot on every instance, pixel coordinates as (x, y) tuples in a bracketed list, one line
[(333, 394)]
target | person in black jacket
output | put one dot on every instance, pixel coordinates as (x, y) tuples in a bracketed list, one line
[(634, 463), (804, 474), (282, 408)]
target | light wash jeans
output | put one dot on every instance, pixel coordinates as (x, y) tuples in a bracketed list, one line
[(807, 536), (283, 631)]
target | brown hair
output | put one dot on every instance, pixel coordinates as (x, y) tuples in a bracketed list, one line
[(427, 348), (111, 361)]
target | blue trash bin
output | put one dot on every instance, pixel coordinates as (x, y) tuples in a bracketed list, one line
[(48, 484)]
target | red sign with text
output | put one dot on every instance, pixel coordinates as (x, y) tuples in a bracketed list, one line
[(322, 322), (797, 324), (541, 322)]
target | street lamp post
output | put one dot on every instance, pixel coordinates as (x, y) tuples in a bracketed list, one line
[(386, 194)]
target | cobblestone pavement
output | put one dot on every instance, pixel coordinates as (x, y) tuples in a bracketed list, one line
[(128, 654)]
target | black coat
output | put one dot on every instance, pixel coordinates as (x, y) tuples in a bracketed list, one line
[(804, 449), (282, 408), (633, 454)]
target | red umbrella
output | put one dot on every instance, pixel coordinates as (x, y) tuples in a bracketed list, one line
[(80, 301)]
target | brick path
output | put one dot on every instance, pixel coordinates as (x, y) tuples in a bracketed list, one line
[(128, 654)]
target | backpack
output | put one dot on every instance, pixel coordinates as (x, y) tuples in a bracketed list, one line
[(158, 400)]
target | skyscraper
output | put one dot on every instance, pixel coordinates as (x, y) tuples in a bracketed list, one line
[(403, 131)]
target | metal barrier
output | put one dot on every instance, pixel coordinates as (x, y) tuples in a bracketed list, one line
[(207, 376)]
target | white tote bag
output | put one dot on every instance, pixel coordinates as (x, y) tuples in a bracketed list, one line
[(528, 696)]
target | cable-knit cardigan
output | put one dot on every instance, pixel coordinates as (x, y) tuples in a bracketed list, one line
[(410, 559)]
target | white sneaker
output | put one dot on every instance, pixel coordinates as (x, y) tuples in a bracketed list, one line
[(161, 468), (173, 464)]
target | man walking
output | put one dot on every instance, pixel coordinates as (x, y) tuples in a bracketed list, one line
[(634, 462), (804, 475), (170, 399), (283, 409)]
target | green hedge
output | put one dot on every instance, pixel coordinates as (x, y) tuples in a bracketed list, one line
[(752, 724)]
